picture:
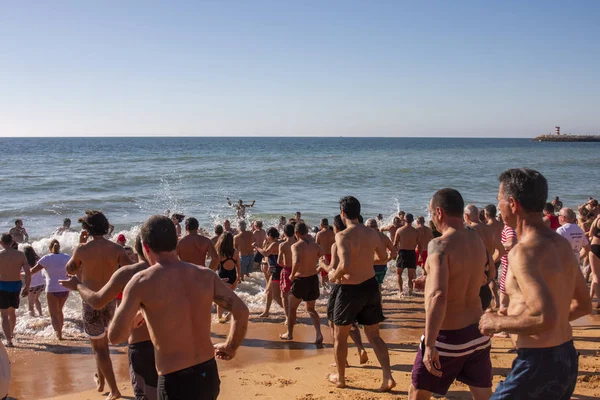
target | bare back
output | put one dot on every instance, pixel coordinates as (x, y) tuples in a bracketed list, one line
[(193, 249), (243, 243), (285, 253), (486, 233), (355, 248), (96, 261), (259, 237), (406, 238), (425, 235), (326, 238), (11, 262), (305, 255)]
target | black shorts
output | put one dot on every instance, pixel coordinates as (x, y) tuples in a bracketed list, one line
[(142, 370), (276, 273), (200, 382), (595, 249), (9, 300), (331, 302), (229, 274), (485, 294), (406, 259), (258, 257), (306, 288), (360, 303)]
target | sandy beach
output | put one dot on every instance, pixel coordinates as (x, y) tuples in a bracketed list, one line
[(268, 368)]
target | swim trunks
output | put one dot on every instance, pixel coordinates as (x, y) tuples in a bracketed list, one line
[(200, 382), (328, 262), (464, 356), (360, 303), (421, 261), (246, 264), (306, 288), (406, 259), (258, 257), (95, 322), (331, 302), (485, 294), (549, 373), (229, 276), (37, 289), (285, 283), (60, 295), (275, 273), (380, 271), (142, 370), (10, 294)]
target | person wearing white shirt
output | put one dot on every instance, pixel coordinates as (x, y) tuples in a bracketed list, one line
[(573, 233)]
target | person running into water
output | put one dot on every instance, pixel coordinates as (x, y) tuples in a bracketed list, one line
[(240, 207), (54, 264), (243, 244), (305, 282), (380, 265), (452, 347), (142, 368), (273, 272), (180, 320), (194, 248), (18, 232), (405, 241), (94, 263), (325, 238), (259, 237), (11, 263), (425, 236), (218, 232), (177, 219), (37, 285), (66, 227), (546, 291), (285, 260), (229, 266), (357, 298), (558, 205), (393, 228), (496, 227)]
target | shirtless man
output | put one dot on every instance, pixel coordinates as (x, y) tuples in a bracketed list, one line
[(452, 347), (193, 248), (66, 227), (179, 321), (396, 224), (94, 263), (141, 351), (218, 232), (243, 244), (305, 281), (19, 233), (11, 263), (298, 218), (227, 227), (492, 245), (259, 236), (284, 258), (240, 207), (405, 241), (380, 264), (425, 236), (496, 227), (546, 290), (325, 238), (357, 298)]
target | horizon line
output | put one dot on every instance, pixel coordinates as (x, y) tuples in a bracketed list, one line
[(260, 137)]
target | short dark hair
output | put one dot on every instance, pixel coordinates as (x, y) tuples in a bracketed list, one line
[(288, 230), (191, 224), (338, 223), (273, 232), (409, 218), (325, 222), (66, 221), (178, 217), (17, 221), (490, 210), (159, 233), (528, 187), (549, 208), (95, 222), (301, 229), (350, 206), (219, 229), (6, 239), (450, 201), (139, 249)]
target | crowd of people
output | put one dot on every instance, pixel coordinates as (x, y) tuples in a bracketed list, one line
[(517, 274)]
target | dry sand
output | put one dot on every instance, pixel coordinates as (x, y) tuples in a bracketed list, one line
[(268, 368)]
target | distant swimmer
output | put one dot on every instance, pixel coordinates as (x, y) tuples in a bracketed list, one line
[(179, 320), (357, 298), (405, 241), (177, 219), (305, 282), (11, 263), (281, 224), (243, 243), (229, 266), (18, 232), (194, 248), (240, 207), (325, 238), (396, 224), (284, 259), (142, 369), (270, 252), (298, 218), (94, 263), (558, 205), (66, 227), (452, 347), (546, 290), (425, 236), (380, 264)]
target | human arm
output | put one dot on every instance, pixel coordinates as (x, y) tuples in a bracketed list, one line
[(27, 272), (511, 242), (229, 202), (107, 293), (344, 254), (214, 256), (36, 269), (581, 304), (500, 251), (392, 249), (25, 235), (227, 299), (124, 258), (121, 324), (267, 251), (491, 272), (74, 264), (238, 265), (252, 205)]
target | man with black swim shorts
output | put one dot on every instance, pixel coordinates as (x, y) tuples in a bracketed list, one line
[(406, 241), (357, 298), (452, 347), (180, 319), (305, 281), (546, 290), (380, 265)]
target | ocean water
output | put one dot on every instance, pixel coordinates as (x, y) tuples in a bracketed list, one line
[(46, 180)]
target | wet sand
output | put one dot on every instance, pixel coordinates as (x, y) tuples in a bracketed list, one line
[(268, 368)]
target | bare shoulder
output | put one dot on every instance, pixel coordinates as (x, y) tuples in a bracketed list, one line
[(437, 246)]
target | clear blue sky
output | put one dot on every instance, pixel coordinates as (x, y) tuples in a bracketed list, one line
[(295, 68)]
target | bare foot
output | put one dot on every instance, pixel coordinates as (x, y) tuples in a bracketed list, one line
[(264, 315), (9, 343), (113, 396), (319, 340), (99, 383), (364, 357), (387, 385), (334, 365), (333, 378), (286, 336), (285, 322)]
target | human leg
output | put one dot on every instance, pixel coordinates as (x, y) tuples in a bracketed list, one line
[(383, 356)]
